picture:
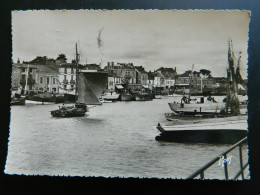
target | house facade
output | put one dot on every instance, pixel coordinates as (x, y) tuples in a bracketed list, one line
[(141, 75), (67, 78), (24, 75), (47, 78)]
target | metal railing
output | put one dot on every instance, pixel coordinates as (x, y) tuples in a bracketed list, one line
[(224, 155)]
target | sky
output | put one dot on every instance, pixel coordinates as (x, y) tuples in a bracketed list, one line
[(151, 38)]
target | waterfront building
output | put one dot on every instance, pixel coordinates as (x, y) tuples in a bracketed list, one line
[(24, 75), (141, 75), (67, 78), (47, 78), (151, 79), (16, 76), (194, 81), (113, 81), (157, 79), (167, 78), (124, 71)]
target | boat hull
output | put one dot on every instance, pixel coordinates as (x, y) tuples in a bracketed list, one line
[(223, 131), (110, 97), (215, 136), (142, 97), (126, 97), (198, 107), (18, 101), (78, 110)]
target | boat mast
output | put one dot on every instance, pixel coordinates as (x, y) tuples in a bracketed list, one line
[(26, 80), (77, 73), (190, 82), (232, 98)]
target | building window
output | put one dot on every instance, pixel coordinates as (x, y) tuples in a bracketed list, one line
[(65, 77), (23, 69), (72, 86), (72, 71), (65, 86), (65, 70), (53, 80), (40, 80), (71, 78), (30, 69), (48, 80)]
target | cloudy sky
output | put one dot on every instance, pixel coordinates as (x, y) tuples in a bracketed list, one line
[(149, 38)]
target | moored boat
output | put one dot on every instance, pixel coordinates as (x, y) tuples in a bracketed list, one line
[(126, 96), (110, 96), (142, 97), (197, 107), (221, 132), (18, 101)]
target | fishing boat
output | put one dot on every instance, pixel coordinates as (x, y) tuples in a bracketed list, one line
[(197, 106), (89, 86), (216, 131), (142, 97), (18, 101), (226, 127), (42, 98), (231, 104), (189, 104), (126, 96), (17, 98), (110, 96)]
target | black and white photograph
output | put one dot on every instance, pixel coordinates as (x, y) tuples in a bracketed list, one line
[(129, 93)]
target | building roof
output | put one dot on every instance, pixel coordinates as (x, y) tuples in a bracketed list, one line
[(47, 68), (67, 65), (150, 75), (140, 69)]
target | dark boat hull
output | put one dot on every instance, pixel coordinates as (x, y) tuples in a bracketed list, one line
[(78, 111), (213, 136), (54, 99), (126, 97), (19, 101), (58, 113)]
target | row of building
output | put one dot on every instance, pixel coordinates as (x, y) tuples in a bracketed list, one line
[(61, 78)]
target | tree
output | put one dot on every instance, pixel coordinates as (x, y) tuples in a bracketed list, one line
[(62, 57), (206, 73)]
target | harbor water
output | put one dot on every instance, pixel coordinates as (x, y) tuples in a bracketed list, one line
[(113, 140)]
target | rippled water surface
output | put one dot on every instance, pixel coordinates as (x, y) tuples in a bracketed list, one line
[(115, 139)]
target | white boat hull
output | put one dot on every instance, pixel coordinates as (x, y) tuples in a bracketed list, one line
[(37, 102), (197, 107)]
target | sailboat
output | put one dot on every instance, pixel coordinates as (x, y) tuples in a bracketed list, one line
[(89, 86)]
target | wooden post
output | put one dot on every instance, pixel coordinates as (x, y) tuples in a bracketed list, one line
[(241, 160)]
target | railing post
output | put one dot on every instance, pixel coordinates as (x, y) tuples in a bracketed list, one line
[(225, 167), (241, 160), (202, 175)]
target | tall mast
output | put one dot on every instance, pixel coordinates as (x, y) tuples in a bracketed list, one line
[(26, 80), (77, 73), (190, 82), (232, 99)]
